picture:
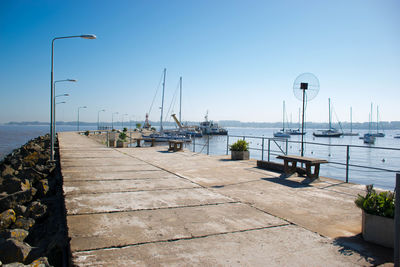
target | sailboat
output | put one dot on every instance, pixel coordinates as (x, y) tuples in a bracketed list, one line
[(331, 132), (368, 137), (351, 125), (296, 131), (282, 133), (164, 136), (378, 134)]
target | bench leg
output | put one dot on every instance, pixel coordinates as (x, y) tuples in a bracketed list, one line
[(289, 169), (311, 175)]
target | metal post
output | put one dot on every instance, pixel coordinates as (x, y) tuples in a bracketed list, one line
[(108, 138), (130, 138), (194, 144), (262, 149), (227, 144), (78, 120), (397, 223), (302, 128), (269, 148), (286, 146), (208, 144), (347, 163), (51, 104), (244, 137)]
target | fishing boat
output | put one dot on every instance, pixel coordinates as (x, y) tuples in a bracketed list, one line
[(351, 126), (282, 133), (331, 132), (397, 136), (211, 128)]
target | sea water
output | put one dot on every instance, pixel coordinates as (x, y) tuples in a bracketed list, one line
[(334, 150), (13, 136)]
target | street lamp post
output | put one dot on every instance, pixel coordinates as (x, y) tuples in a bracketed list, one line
[(78, 116), (123, 115), (55, 109), (98, 118), (54, 99), (52, 94), (112, 120)]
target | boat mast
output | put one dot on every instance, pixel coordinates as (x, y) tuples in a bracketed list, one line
[(283, 117), (299, 119), (180, 99), (377, 119), (329, 100), (162, 103), (351, 119), (370, 120)]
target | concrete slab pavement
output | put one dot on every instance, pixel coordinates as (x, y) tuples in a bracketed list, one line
[(199, 211)]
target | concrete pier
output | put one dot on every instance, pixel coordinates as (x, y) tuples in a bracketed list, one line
[(149, 207)]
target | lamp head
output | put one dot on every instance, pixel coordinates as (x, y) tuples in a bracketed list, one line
[(88, 36), (72, 80)]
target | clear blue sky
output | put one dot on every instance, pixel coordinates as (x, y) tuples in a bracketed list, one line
[(238, 59)]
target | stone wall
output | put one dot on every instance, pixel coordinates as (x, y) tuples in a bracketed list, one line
[(32, 214)]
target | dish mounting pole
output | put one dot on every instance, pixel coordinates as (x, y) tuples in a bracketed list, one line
[(162, 103)]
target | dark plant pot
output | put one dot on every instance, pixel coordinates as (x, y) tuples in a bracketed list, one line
[(240, 155), (121, 143), (378, 229), (111, 143)]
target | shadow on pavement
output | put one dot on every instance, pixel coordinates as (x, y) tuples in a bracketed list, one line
[(281, 180), (374, 254)]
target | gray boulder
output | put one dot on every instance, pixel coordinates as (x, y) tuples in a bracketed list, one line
[(7, 218), (36, 210), (19, 234), (14, 184), (12, 200), (23, 223), (12, 250)]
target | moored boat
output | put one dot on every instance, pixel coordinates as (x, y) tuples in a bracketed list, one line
[(331, 132), (211, 128)]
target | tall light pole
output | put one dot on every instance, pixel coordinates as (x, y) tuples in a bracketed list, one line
[(54, 122), (78, 116), (98, 118), (123, 115), (112, 120), (52, 101)]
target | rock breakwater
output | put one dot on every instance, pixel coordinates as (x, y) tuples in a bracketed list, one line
[(32, 214)]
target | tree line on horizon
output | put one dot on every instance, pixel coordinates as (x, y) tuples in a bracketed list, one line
[(383, 125)]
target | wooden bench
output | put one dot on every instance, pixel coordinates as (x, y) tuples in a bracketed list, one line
[(138, 140), (310, 162), (175, 145)]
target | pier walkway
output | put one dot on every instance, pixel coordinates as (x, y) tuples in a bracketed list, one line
[(149, 207)]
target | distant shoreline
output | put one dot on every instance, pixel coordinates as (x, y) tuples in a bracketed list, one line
[(384, 125)]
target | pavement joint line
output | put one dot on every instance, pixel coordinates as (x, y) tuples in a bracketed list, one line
[(74, 171), (244, 182), (163, 208), (88, 165), (117, 179), (192, 237), (128, 191), (161, 168)]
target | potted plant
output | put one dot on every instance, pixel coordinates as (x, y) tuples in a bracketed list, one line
[(121, 142), (377, 216), (240, 150)]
